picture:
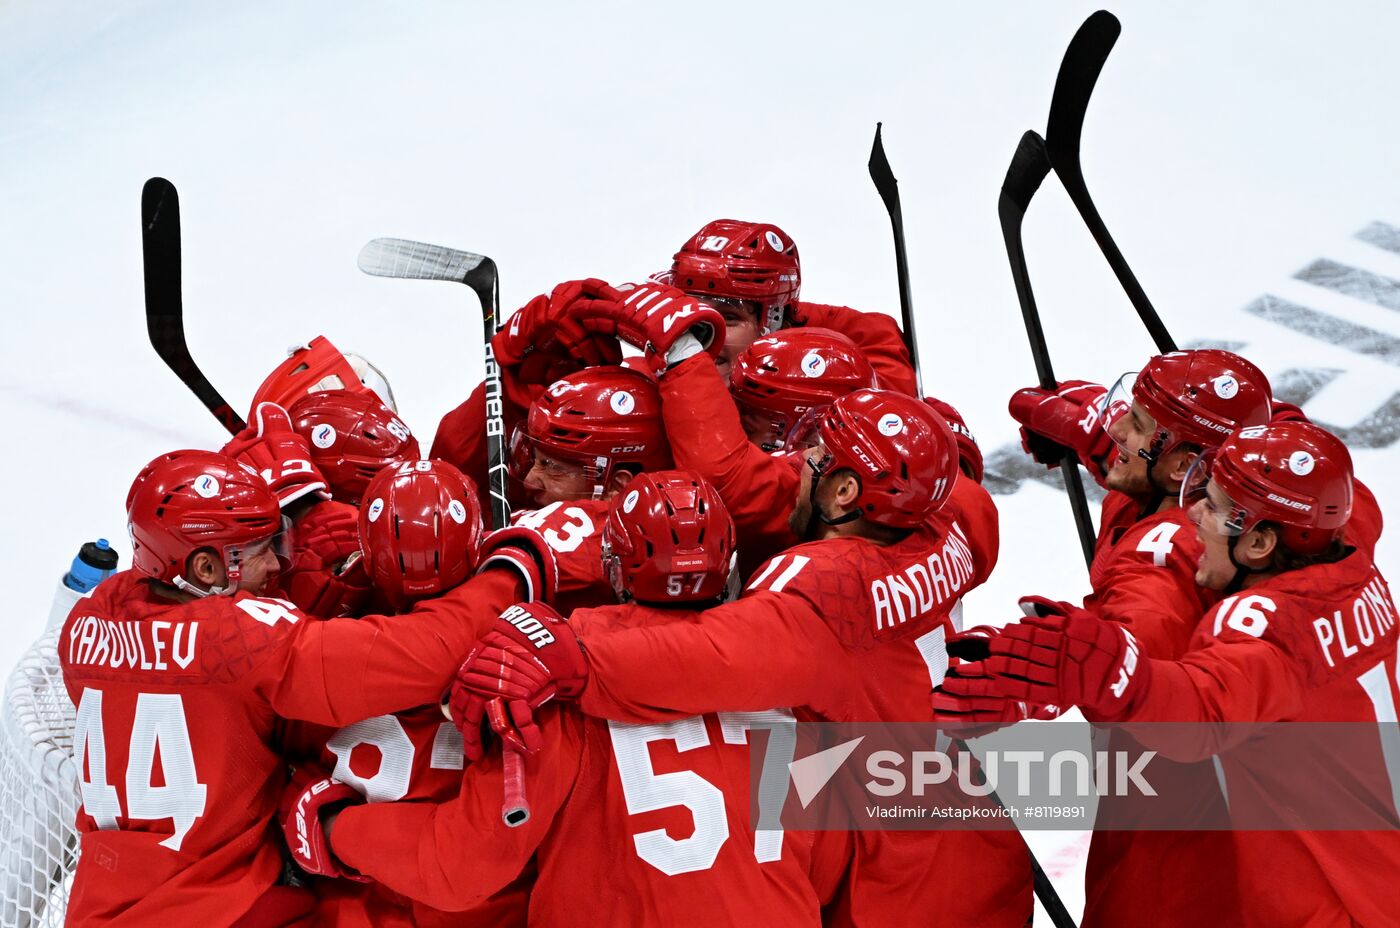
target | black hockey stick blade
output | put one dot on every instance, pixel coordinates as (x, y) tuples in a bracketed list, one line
[(888, 188), (1079, 72), (1028, 169), (409, 260), (165, 315)]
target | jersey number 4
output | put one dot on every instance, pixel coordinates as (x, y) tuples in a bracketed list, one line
[(646, 790), (159, 722)]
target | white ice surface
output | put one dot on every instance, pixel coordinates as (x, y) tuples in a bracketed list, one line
[(1227, 146)]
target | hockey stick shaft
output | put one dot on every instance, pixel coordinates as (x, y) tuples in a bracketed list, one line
[(1079, 72), (515, 810), (408, 260), (165, 313), (888, 188), (1028, 168)]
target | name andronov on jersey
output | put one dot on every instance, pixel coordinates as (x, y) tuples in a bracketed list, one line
[(936, 580), (134, 645)]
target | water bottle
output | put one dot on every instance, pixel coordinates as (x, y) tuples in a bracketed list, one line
[(96, 561)]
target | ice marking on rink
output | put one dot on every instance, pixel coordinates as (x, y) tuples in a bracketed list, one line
[(1008, 468)]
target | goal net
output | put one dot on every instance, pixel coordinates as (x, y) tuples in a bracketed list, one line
[(38, 792)]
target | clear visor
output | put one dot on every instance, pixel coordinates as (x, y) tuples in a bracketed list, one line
[(1116, 405), (526, 454), (806, 432), (279, 545), (1206, 504)]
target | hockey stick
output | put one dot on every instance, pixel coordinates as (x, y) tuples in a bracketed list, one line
[(396, 257), (165, 314), (1079, 71), (1028, 168), (888, 187)]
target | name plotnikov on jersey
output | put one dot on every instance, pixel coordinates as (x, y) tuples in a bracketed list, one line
[(131, 645), (1370, 618), (924, 585)]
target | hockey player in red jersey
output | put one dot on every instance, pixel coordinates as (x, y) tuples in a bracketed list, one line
[(849, 626), (615, 842), (1308, 635), (1139, 440), (319, 365), (182, 671), (750, 272), (582, 444), (420, 527)]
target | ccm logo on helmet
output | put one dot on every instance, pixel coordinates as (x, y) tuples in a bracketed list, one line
[(531, 627)]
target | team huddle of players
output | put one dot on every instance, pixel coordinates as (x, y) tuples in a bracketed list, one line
[(309, 697)]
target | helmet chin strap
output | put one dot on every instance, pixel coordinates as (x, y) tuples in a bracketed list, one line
[(1159, 491), (181, 583), (1242, 571), (817, 515)]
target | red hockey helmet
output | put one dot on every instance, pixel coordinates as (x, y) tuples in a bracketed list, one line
[(420, 528), (669, 539), (1198, 396), (733, 260), (780, 376), (1296, 474), (902, 450), (319, 365), (352, 436), (188, 500), (599, 418)]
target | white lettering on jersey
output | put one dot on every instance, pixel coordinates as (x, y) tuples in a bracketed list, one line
[(131, 645), (925, 585), (1370, 618), (1158, 542), (791, 565)]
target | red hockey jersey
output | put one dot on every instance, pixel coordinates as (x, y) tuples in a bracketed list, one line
[(630, 824), (574, 530), (1144, 577), (179, 722), (843, 630), (1311, 645)]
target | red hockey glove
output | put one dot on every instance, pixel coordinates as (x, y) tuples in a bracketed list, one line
[(1061, 655), (666, 324), (544, 333), (271, 447), (973, 644), (524, 551), (309, 796), (969, 702), (529, 657), (327, 576), (1067, 417), (969, 455)]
